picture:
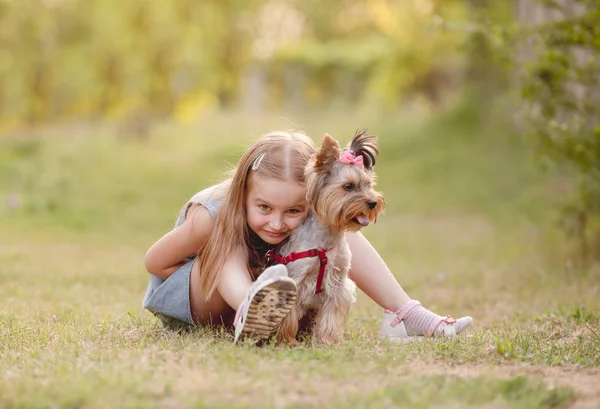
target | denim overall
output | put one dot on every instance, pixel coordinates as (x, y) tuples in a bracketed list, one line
[(169, 299)]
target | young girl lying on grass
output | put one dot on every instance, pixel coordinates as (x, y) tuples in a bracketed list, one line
[(211, 269)]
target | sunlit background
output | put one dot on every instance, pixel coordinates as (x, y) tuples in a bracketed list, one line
[(136, 70), (67, 59)]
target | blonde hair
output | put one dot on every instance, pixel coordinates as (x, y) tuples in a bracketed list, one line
[(279, 155)]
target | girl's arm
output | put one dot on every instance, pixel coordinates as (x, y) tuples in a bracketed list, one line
[(170, 251)]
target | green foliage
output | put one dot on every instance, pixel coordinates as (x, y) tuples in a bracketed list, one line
[(65, 59), (562, 92)]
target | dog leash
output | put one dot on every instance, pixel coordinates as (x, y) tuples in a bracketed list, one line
[(321, 253)]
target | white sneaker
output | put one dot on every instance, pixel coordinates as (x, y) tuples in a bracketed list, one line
[(393, 328), (270, 299)]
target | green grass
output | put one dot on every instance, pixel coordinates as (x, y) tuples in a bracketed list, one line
[(469, 229)]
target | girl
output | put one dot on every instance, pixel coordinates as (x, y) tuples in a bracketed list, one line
[(214, 262)]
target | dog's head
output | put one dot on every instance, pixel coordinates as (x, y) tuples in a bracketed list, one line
[(340, 183)]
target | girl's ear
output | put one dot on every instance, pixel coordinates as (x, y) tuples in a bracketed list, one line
[(328, 154)]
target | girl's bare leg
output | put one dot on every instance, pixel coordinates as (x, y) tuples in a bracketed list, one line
[(231, 291), (372, 275), (259, 306)]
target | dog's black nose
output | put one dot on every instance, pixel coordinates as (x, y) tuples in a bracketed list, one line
[(371, 204)]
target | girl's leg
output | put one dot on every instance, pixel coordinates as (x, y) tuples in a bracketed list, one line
[(372, 275), (216, 310), (402, 317), (259, 306)]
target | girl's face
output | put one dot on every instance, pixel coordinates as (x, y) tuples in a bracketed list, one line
[(274, 208)]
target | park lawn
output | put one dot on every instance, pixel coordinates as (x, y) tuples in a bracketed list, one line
[(469, 229)]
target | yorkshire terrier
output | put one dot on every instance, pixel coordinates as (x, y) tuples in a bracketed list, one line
[(341, 198)]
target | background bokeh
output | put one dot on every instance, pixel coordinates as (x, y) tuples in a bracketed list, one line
[(129, 68), (69, 59)]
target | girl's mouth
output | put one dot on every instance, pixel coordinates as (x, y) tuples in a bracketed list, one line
[(273, 234)]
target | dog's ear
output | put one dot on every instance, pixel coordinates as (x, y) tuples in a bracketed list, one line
[(328, 154), (366, 145)]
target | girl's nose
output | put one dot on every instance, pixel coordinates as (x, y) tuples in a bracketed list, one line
[(277, 222)]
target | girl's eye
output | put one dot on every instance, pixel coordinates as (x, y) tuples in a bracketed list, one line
[(294, 211), (264, 208), (349, 187)]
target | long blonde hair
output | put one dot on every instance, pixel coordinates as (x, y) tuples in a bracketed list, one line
[(281, 156)]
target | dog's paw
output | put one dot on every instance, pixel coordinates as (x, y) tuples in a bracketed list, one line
[(326, 339)]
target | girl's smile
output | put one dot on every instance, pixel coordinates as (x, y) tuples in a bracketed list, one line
[(275, 208)]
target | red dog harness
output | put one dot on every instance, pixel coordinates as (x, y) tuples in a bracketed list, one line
[(271, 254)]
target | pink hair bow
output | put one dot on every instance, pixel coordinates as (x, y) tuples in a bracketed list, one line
[(349, 158)]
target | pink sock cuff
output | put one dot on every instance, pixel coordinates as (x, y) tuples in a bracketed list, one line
[(405, 309)]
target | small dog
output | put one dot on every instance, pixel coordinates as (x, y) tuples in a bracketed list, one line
[(341, 198)]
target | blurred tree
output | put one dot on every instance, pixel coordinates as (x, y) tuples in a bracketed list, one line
[(138, 59), (561, 88), (380, 51), (486, 74)]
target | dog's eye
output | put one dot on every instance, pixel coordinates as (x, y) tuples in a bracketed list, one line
[(349, 187)]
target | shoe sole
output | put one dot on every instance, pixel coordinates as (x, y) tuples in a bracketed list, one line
[(268, 308)]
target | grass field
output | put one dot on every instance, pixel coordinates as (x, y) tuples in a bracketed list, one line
[(469, 229)]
